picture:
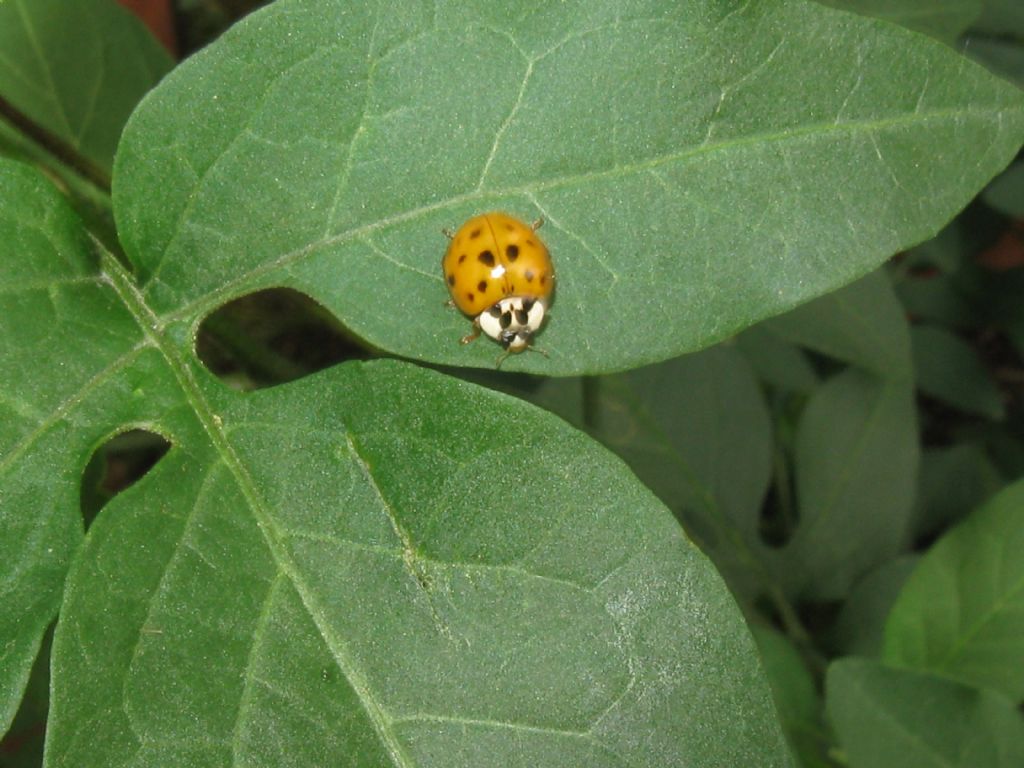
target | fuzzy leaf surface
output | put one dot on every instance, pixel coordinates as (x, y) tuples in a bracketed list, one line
[(699, 165), (332, 571)]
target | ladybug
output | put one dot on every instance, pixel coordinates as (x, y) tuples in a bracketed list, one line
[(499, 273)]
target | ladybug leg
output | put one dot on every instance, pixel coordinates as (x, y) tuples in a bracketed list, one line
[(472, 336), (450, 303), (537, 224), (448, 233)]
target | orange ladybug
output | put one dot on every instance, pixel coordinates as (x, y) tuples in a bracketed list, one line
[(499, 272)]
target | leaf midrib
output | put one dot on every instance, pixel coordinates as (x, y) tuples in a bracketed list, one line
[(237, 286), (272, 535)]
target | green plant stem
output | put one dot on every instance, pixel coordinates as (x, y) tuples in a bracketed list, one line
[(783, 490)]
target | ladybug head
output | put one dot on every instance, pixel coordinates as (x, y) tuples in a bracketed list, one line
[(513, 321)]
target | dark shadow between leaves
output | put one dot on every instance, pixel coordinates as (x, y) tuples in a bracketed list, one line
[(272, 337), (117, 464), (22, 745)]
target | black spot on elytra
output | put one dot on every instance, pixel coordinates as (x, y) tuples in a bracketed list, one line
[(451, 279), (544, 278), (513, 252), (506, 320), (474, 234), (469, 296), (521, 317), (481, 286), (529, 275), (510, 227), (487, 258), (462, 258), (529, 241)]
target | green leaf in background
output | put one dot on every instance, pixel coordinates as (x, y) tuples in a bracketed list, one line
[(855, 453), (997, 38), (1002, 17), (77, 70), (699, 168), (936, 298), (862, 324), (696, 431), (962, 611), (859, 629), (796, 696), (947, 368), (777, 362), (891, 718), (953, 481), (1006, 192), (70, 74), (947, 251), (944, 19), (856, 462), (376, 565), (1005, 58)]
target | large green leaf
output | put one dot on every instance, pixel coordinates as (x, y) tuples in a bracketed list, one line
[(699, 165), (891, 718), (48, 281), (379, 565), (962, 611), (77, 70)]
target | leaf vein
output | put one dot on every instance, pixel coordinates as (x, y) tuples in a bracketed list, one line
[(134, 300), (247, 280)]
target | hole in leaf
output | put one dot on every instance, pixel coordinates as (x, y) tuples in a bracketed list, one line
[(117, 464), (271, 337)]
